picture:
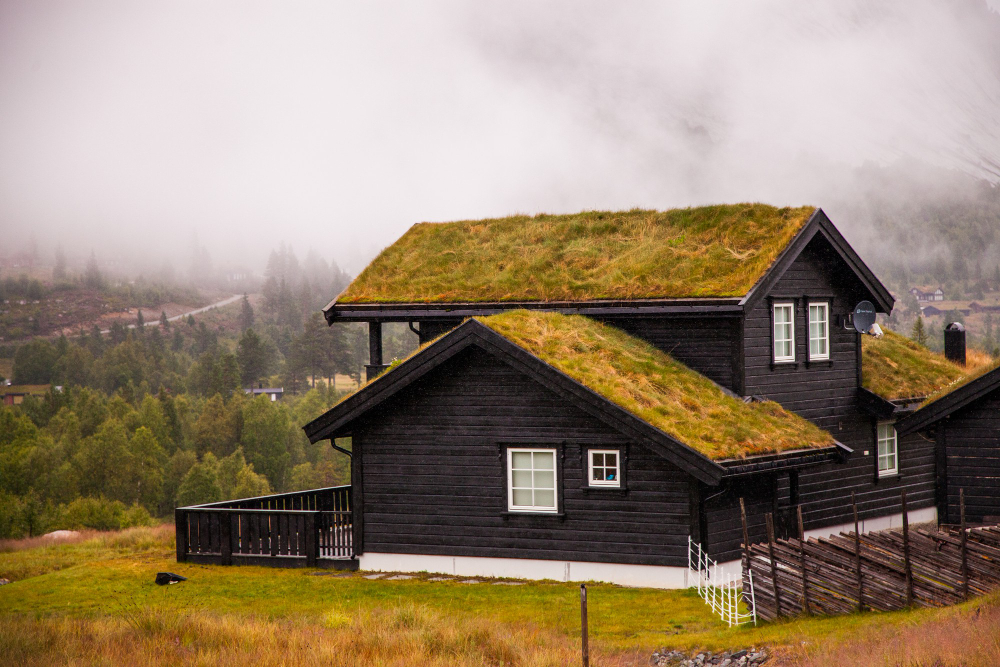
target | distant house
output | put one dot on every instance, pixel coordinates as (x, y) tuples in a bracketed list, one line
[(927, 293), (272, 392), (16, 393)]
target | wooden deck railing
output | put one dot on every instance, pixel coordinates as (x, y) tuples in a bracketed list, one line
[(305, 528)]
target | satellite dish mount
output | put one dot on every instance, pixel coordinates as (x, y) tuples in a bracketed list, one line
[(862, 318)]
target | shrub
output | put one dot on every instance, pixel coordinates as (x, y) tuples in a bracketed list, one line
[(102, 514)]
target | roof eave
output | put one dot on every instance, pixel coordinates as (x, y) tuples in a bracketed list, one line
[(402, 312), (948, 404)]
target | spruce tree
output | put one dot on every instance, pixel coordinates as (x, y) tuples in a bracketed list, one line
[(919, 333)]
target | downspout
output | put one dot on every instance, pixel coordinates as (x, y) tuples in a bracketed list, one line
[(341, 449)]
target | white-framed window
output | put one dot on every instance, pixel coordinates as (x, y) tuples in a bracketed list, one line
[(819, 331), (888, 456), (784, 332), (531, 480), (604, 468)]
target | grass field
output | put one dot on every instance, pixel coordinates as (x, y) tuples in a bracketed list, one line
[(94, 601)]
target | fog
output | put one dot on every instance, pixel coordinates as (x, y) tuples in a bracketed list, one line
[(138, 128)]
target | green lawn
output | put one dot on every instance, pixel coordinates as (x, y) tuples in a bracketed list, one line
[(112, 577)]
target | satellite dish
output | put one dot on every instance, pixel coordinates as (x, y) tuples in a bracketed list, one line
[(863, 316)]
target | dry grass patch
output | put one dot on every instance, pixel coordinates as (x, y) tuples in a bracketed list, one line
[(711, 251), (896, 367), (969, 637), (406, 635), (653, 386)]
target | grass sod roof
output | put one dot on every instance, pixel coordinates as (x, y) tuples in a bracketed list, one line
[(654, 387), (711, 251), (895, 368)]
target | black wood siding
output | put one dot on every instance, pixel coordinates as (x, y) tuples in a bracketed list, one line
[(709, 345), (826, 394), (972, 443), (433, 479)]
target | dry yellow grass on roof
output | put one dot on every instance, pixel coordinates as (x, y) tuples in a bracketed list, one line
[(654, 387), (711, 251), (896, 367)]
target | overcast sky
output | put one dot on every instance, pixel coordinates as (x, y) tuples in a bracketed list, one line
[(335, 126)]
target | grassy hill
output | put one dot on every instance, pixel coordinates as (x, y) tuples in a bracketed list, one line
[(94, 601)]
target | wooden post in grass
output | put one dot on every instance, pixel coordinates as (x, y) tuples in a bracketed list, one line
[(964, 544), (774, 564), (802, 562), (746, 533), (583, 626), (226, 538), (857, 553), (907, 569)]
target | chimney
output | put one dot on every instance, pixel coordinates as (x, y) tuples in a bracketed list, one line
[(954, 342)]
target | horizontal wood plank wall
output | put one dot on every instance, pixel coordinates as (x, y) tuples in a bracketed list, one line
[(972, 437), (826, 394), (434, 475), (705, 344), (725, 526)]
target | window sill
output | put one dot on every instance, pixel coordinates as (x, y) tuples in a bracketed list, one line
[(534, 514), (606, 490), (825, 363), (775, 365)]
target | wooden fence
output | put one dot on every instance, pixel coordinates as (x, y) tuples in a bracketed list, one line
[(307, 528), (883, 571)]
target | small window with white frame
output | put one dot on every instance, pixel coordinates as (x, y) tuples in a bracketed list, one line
[(784, 332), (819, 331), (604, 468), (531, 480), (888, 453)]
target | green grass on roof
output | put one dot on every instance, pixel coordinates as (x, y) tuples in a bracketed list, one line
[(978, 364), (711, 251), (896, 367), (654, 387)]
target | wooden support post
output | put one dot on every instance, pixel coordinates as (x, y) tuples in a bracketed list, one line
[(774, 564), (746, 533), (375, 343), (312, 543), (907, 569), (181, 530), (857, 553), (802, 562), (226, 538), (584, 645), (964, 544)]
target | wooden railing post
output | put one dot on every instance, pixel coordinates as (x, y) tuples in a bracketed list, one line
[(857, 553), (906, 551), (802, 562), (774, 564), (181, 530), (226, 538), (584, 643), (312, 541), (964, 544)]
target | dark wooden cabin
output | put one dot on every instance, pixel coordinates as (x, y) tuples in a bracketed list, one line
[(434, 442), (748, 304), (964, 424)]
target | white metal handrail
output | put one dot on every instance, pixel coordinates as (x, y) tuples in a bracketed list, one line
[(721, 591)]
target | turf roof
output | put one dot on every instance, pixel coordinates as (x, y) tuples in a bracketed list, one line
[(896, 368), (654, 387), (711, 251)]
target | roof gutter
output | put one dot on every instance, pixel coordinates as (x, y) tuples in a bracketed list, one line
[(838, 453)]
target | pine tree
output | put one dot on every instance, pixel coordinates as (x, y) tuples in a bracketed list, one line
[(919, 333), (92, 277), (164, 322), (246, 314), (140, 323)]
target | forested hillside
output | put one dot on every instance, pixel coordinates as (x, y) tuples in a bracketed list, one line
[(124, 426)]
